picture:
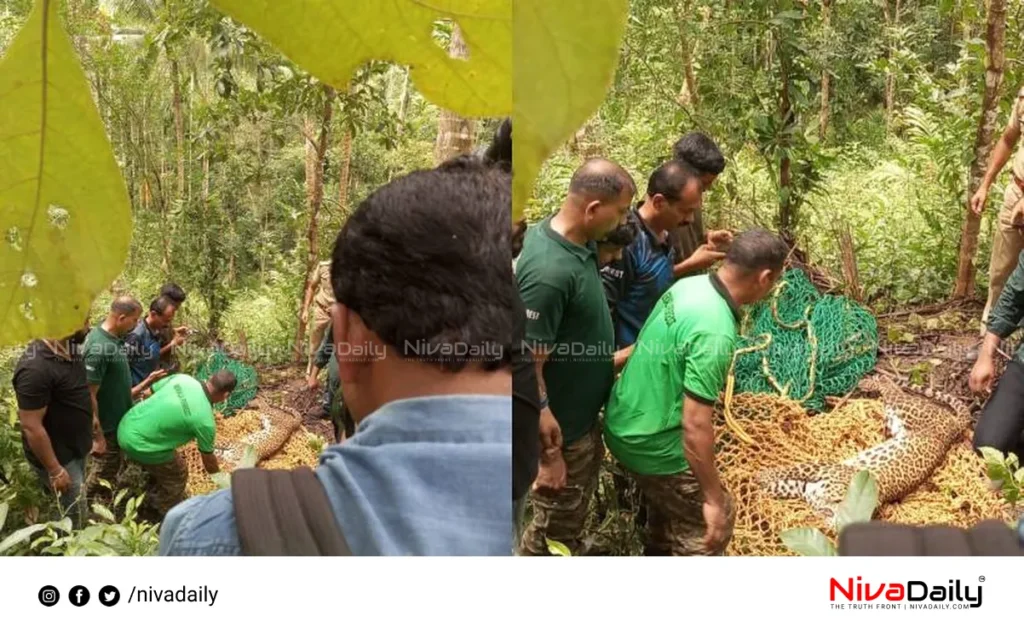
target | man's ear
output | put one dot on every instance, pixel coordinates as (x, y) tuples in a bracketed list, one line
[(350, 344), (591, 208)]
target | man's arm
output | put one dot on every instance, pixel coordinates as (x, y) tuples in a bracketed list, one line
[(1000, 156), (1003, 320), (138, 389), (699, 448), (701, 259), (210, 462), (552, 473), (99, 443), (38, 439)]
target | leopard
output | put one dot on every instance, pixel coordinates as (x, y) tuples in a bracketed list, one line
[(922, 424)]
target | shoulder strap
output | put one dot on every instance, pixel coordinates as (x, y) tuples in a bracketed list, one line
[(285, 513)]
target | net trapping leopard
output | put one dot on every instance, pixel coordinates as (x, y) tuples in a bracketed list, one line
[(247, 380), (782, 434), (276, 433), (804, 345)]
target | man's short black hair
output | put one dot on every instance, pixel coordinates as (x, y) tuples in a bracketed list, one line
[(755, 250), (224, 381), (670, 179), (602, 179), (160, 304), (173, 292), (125, 306), (700, 152), (620, 237), (424, 262)]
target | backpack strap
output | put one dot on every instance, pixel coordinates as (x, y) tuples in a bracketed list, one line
[(285, 513)]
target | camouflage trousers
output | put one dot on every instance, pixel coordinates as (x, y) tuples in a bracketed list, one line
[(167, 483), (675, 515), (107, 466), (562, 516)]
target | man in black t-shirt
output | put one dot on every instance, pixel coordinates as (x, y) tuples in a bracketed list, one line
[(55, 410)]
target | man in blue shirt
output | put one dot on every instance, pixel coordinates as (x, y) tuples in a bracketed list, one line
[(143, 344), (634, 282), (425, 307)]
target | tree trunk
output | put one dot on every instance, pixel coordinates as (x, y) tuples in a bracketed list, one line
[(316, 152), (787, 217), (983, 142), (179, 127), (688, 92), (403, 105), (344, 171), (454, 133), (826, 78), (892, 21)]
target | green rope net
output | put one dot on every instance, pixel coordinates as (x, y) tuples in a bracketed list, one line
[(245, 388), (804, 345)]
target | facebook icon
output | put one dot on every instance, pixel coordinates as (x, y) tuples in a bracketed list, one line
[(79, 595)]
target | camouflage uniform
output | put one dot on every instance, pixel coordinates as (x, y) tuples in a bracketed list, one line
[(107, 466), (167, 483), (561, 517), (675, 515)]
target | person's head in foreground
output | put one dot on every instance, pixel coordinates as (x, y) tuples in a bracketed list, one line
[(700, 152), (609, 248), (600, 194), (220, 385), (425, 299), (753, 265)]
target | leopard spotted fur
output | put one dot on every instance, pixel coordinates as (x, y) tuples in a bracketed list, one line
[(922, 426)]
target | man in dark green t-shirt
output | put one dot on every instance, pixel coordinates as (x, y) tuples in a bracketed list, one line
[(179, 411), (110, 387), (658, 423), (569, 331)]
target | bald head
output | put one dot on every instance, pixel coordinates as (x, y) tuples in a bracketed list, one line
[(124, 315), (603, 180)]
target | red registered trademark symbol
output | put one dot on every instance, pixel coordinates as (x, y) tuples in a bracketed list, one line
[(981, 579)]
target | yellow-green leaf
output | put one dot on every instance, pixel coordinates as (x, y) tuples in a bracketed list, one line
[(65, 219), (555, 548), (332, 38), (566, 52)]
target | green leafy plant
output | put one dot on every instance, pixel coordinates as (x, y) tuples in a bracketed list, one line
[(858, 506), (556, 548), (1005, 470), (105, 537)]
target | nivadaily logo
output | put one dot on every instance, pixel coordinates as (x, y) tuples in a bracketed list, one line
[(914, 594)]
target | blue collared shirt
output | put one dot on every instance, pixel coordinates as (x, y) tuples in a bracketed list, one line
[(143, 348), (421, 476)]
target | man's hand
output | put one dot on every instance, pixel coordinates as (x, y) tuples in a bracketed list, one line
[(716, 516), (552, 474), (155, 376), (181, 330), (982, 374), (312, 382), (719, 240), (704, 257), (99, 444), (978, 200), (61, 481)]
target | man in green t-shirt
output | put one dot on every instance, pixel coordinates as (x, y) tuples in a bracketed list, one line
[(569, 330), (179, 411), (110, 387), (658, 423)]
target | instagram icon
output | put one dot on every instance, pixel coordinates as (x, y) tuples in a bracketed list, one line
[(49, 596)]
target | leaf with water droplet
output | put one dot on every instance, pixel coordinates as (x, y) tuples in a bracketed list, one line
[(65, 215)]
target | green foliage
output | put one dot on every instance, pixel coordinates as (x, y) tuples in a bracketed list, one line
[(106, 537), (858, 507), (560, 78), (556, 548), (1004, 470), (66, 213)]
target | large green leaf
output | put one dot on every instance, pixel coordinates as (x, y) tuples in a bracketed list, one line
[(566, 52), (861, 500), (20, 536), (65, 220), (4, 507), (808, 542), (332, 38)]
